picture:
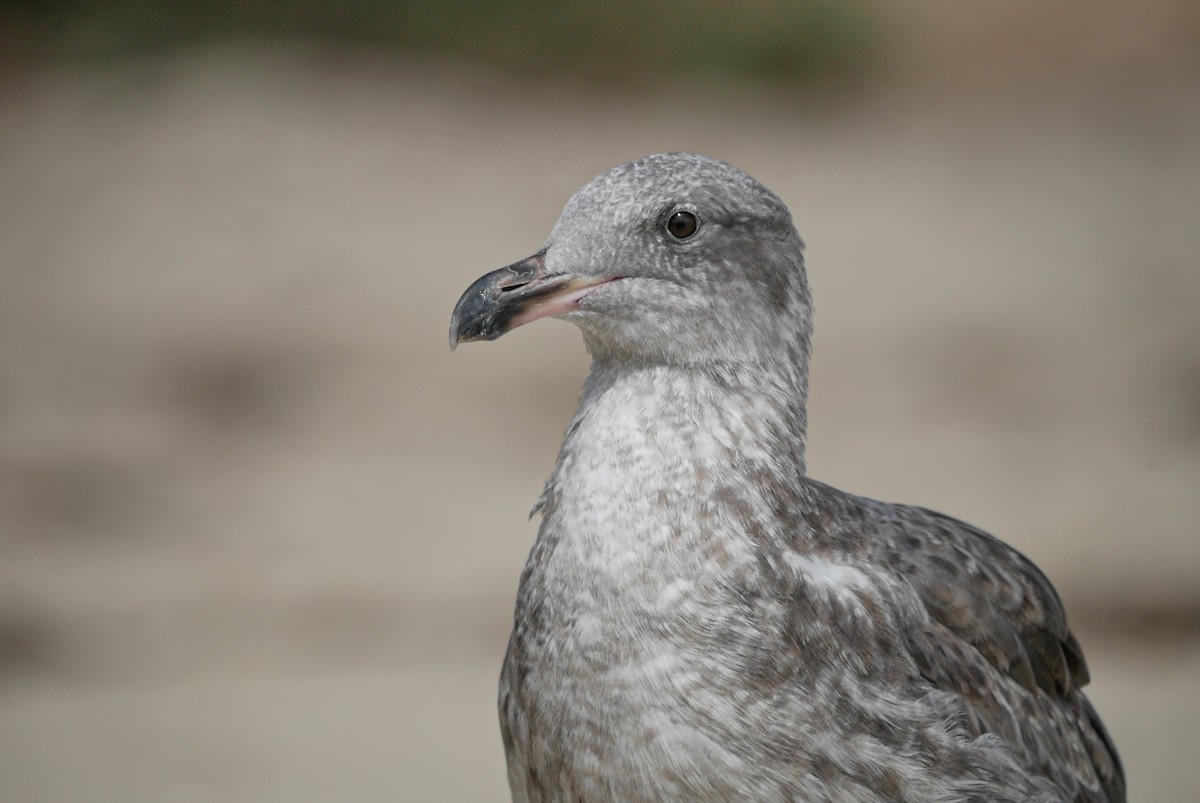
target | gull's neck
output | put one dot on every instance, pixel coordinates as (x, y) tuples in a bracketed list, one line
[(749, 405), (672, 436)]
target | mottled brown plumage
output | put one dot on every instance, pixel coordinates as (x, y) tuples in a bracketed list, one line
[(997, 637)]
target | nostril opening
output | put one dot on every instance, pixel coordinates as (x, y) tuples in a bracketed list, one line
[(510, 287)]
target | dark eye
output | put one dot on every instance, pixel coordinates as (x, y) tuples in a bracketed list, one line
[(682, 225)]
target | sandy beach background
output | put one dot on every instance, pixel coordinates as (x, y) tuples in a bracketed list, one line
[(260, 530)]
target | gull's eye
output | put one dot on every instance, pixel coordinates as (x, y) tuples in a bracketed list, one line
[(682, 225)]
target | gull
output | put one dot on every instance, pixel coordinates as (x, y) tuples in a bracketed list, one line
[(698, 620)]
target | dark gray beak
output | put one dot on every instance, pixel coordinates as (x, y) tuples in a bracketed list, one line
[(504, 299)]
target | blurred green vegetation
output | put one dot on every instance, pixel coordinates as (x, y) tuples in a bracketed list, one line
[(787, 40)]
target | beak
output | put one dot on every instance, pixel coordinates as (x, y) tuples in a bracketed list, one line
[(504, 299)]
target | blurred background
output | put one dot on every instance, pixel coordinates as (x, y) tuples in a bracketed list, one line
[(260, 531)]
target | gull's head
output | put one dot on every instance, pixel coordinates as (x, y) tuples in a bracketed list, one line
[(674, 258)]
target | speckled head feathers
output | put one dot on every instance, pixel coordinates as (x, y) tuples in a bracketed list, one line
[(674, 259), (732, 290)]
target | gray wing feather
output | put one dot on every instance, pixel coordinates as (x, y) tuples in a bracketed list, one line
[(997, 637)]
